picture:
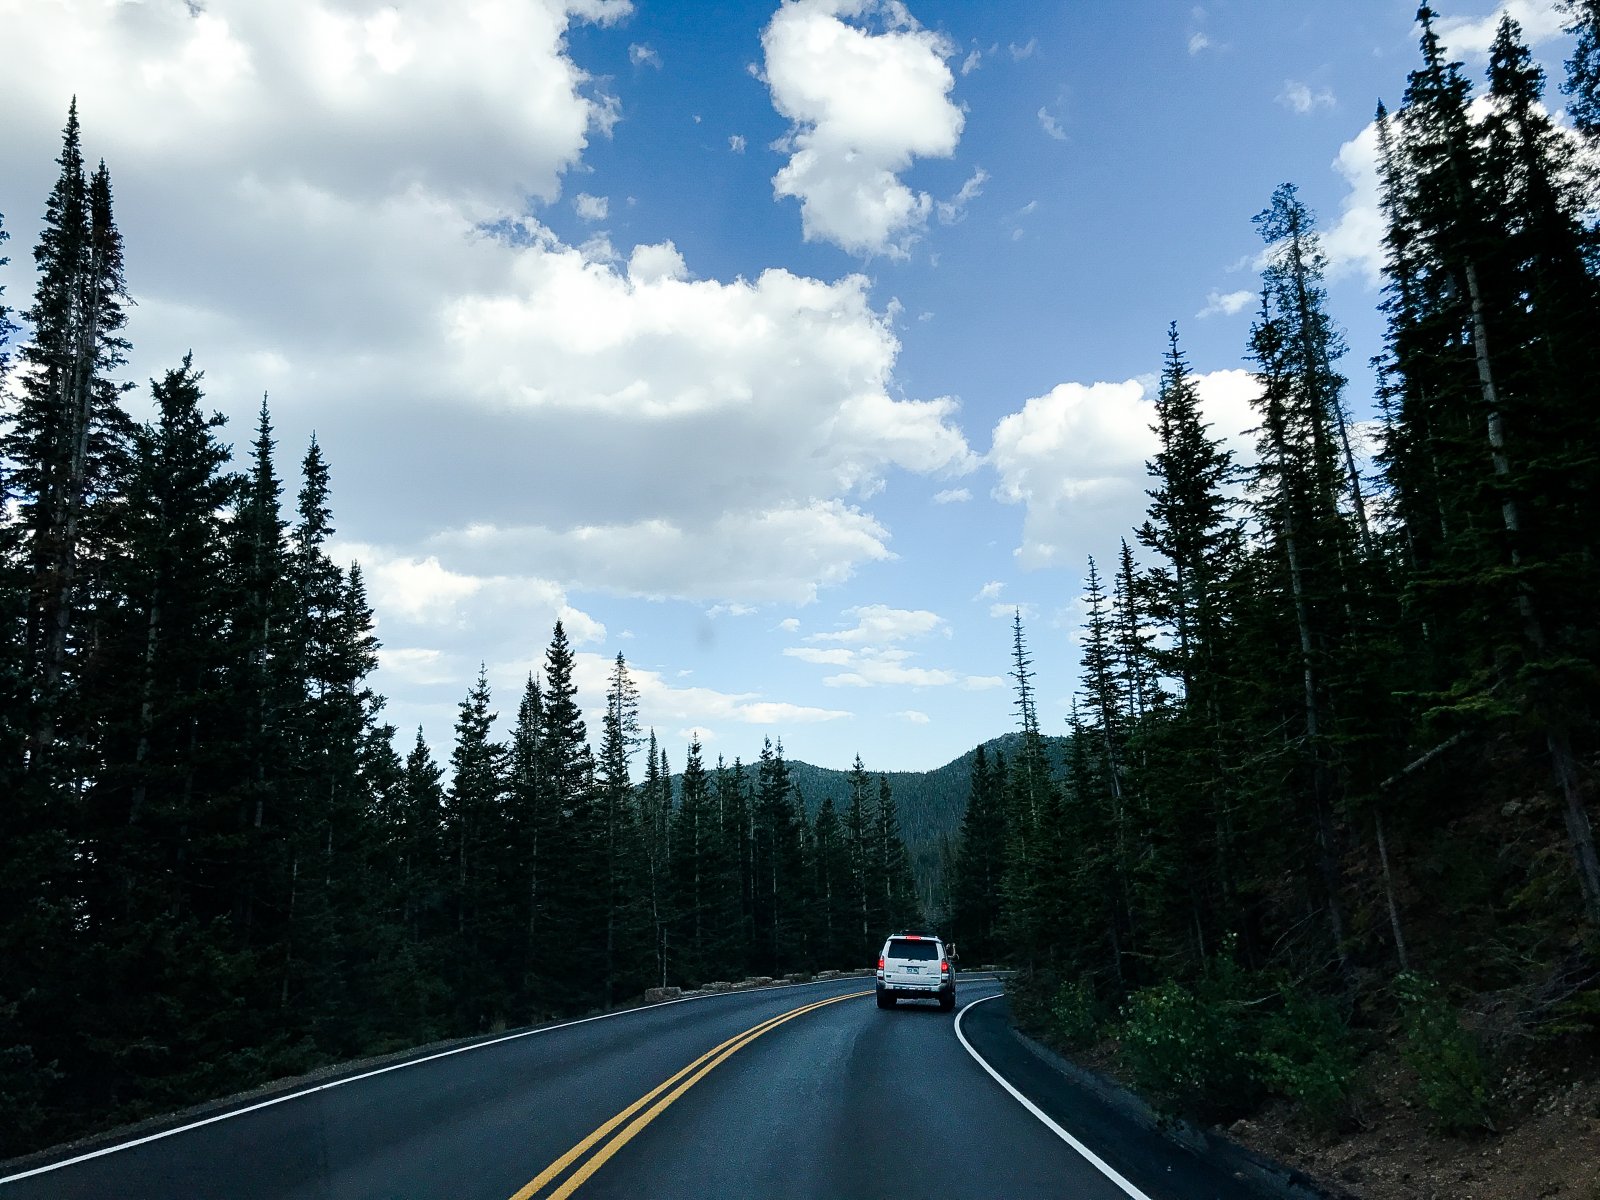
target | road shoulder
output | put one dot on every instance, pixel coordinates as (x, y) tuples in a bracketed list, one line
[(1154, 1154)]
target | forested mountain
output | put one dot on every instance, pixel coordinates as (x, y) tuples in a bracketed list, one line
[(931, 804), (1334, 751)]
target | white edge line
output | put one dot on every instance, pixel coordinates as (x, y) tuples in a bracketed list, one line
[(1094, 1159), (410, 1062)]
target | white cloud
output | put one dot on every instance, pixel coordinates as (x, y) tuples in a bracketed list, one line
[(954, 209), (1198, 42), (878, 623), (820, 657), (1004, 612), (591, 208), (1051, 126), (1298, 97), (869, 656), (647, 367), (1018, 53), (862, 106), (886, 669), (1354, 243), (736, 143), (990, 590), (1228, 305), (1471, 37), (1075, 459), (790, 624), (972, 61), (419, 665), (641, 54), (731, 610), (982, 683), (952, 496), (915, 717)]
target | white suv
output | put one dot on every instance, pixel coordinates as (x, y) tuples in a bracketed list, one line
[(915, 966)]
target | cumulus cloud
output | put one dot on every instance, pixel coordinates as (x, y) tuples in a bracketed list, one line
[(866, 91), (1227, 305), (952, 496), (1026, 50), (736, 143), (990, 590), (636, 368), (915, 717), (1075, 459), (591, 208), (1354, 242), (1471, 37), (641, 54), (1051, 126), (1298, 97), (1198, 42)]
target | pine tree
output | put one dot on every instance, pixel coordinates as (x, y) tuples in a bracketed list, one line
[(695, 869), (975, 895), (1189, 525), (1583, 68), (633, 876), (1467, 348), (573, 944), (67, 436), (475, 830), (857, 826), (775, 863)]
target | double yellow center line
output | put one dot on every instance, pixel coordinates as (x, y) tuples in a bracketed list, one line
[(654, 1103)]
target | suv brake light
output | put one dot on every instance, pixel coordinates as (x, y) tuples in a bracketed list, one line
[(944, 966), (880, 962)]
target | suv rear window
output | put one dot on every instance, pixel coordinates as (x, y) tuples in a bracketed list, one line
[(917, 951)]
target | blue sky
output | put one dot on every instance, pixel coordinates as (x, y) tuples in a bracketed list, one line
[(784, 348)]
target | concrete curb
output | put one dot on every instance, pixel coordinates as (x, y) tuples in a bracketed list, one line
[(1270, 1178)]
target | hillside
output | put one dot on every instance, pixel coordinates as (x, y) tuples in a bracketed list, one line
[(930, 803)]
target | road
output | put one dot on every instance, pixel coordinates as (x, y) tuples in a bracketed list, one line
[(807, 1091)]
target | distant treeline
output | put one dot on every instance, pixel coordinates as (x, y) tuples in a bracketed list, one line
[(1340, 729), (216, 869)]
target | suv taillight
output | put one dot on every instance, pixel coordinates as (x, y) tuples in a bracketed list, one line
[(880, 962), (944, 966)]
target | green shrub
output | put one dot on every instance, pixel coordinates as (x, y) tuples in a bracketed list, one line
[(1076, 1017), (1306, 1055), (1188, 1049), (1451, 1075)]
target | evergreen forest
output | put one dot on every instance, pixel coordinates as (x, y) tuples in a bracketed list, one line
[(1332, 758), (1332, 762)]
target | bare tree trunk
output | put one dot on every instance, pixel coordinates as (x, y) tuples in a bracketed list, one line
[(1388, 892), (1563, 764)]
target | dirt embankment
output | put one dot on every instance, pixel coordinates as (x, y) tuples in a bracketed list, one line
[(1546, 1141)]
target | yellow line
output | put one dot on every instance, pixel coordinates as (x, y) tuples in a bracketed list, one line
[(698, 1069)]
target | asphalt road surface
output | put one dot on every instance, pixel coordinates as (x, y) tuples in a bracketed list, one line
[(806, 1091)]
